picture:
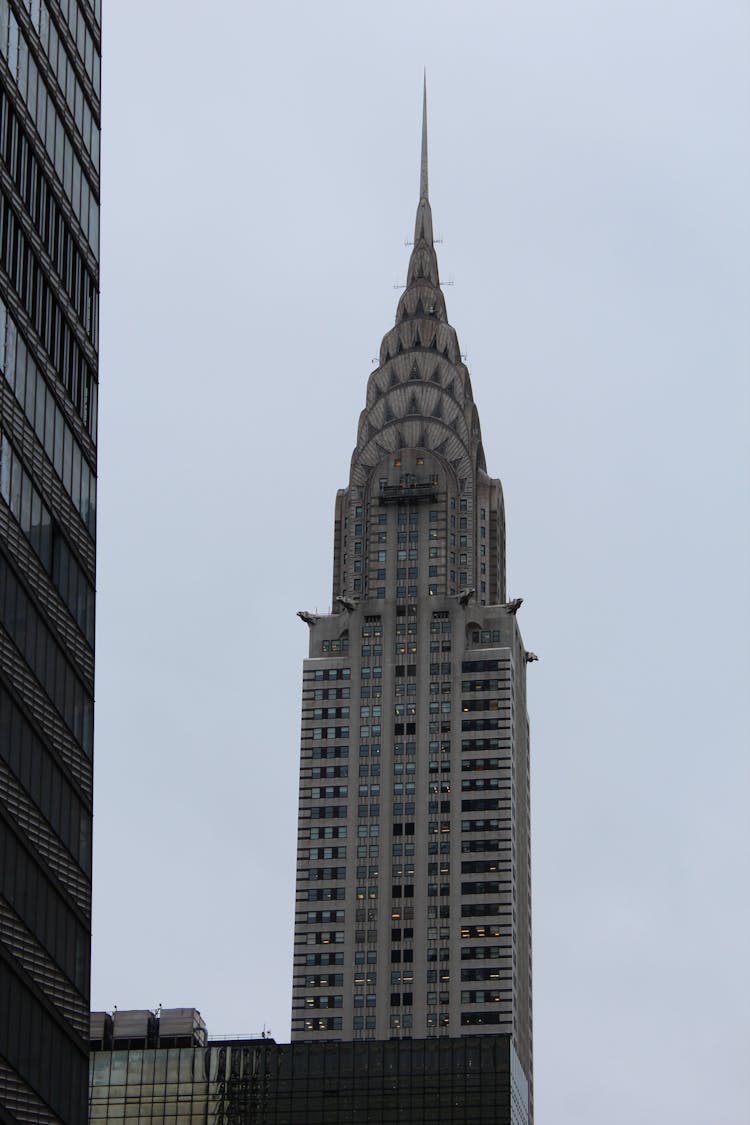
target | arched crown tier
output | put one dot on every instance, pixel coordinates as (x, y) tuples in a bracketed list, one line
[(419, 439)]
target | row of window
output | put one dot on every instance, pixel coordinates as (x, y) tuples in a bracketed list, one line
[(332, 894), (45, 658), (371, 711), (327, 873), (372, 730), (478, 887), (325, 853), (494, 972), (328, 733), (485, 996), (433, 589), (479, 866), (322, 959), (327, 833), (485, 636), (472, 765), (477, 744), (489, 665), (326, 894), (40, 407), (484, 910), (327, 713), (29, 891), (472, 784), (44, 781), (73, 13), (51, 226), (370, 956), (485, 685), (491, 930), (440, 688), (363, 872), (410, 479), (330, 980), (483, 724), (320, 1002), (318, 917), (316, 753), (405, 999), (491, 825), (319, 694), (330, 674), (482, 804), (341, 645), (325, 937), (50, 126), (72, 90), (45, 538), (485, 705), (50, 1060), (480, 846), (439, 767), (36, 295), (328, 812), (323, 1023)]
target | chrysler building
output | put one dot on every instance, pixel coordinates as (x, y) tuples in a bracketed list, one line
[(413, 903)]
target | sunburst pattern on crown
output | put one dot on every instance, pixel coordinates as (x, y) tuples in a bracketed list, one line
[(420, 394)]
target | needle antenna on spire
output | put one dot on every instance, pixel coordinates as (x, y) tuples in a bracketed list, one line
[(423, 167)]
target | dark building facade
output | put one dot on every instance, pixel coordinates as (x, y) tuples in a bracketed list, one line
[(413, 903), (438, 1081), (49, 283)]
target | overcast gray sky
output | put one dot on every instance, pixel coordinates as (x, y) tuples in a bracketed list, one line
[(590, 177)]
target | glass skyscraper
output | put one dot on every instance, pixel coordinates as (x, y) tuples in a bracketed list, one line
[(49, 310), (413, 904)]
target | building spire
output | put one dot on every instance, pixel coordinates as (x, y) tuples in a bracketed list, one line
[(423, 225), (423, 167)]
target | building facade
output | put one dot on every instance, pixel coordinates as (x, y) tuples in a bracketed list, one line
[(413, 899), (49, 283), (469, 1081)]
